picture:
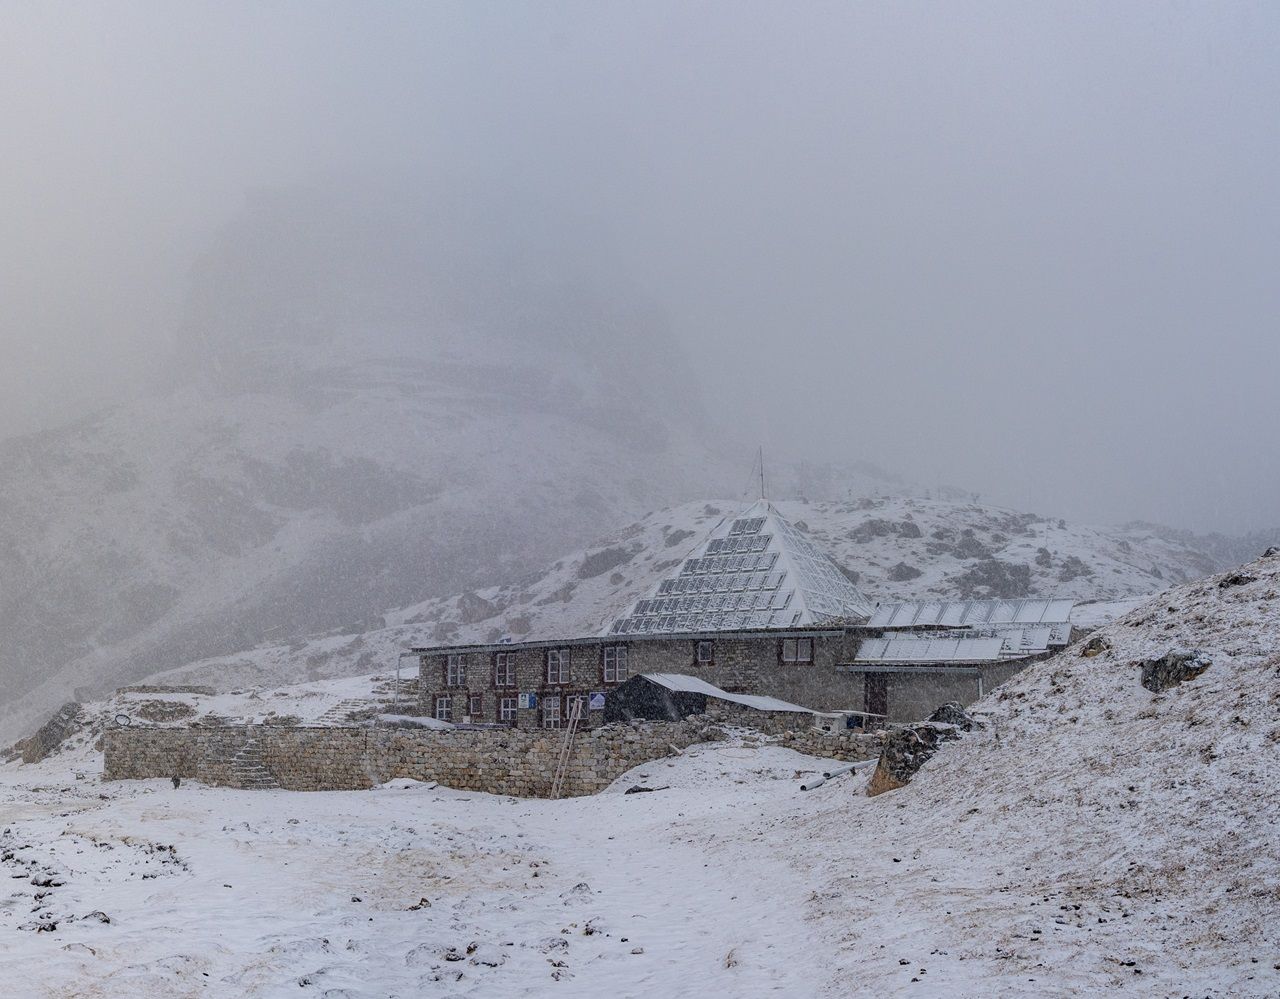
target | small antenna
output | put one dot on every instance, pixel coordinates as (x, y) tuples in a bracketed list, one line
[(762, 493)]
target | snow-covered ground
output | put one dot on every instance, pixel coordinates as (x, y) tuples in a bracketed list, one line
[(1094, 838), (236, 893)]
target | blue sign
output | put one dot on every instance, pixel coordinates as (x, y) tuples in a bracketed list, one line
[(597, 701), (528, 700)]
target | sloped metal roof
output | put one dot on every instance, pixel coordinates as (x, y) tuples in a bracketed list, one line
[(753, 570), (930, 650), (961, 613), (694, 685)]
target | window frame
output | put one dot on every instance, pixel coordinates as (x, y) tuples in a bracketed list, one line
[(500, 711), (505, 661), (621, 668), (455, 669), (710, 659), (561, 677), (545, 702), (444, 701), (798, 643), (475, 706)]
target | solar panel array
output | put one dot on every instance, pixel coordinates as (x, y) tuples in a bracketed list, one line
[(958, 613), (753, 572)]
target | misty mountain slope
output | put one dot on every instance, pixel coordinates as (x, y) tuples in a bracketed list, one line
[(958, 549), (1095, 836), (208, 520)]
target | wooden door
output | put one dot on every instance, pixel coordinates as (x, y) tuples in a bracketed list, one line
[(875, 693)]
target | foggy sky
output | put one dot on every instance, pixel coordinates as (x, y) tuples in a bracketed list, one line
[(1028, 249)]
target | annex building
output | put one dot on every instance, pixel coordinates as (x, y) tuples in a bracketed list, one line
[(756, 608)]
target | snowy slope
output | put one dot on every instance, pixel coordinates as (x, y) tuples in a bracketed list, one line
[(1096, 837), (958, 548)]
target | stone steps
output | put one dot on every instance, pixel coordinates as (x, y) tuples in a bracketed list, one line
[(337, 714), (248, 769)]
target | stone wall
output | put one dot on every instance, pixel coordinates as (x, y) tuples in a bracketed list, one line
[(796, 731), (499, 761)]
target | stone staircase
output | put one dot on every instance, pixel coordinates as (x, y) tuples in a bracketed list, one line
[(248, 770), (337, 714)]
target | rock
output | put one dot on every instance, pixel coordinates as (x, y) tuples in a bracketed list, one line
[(51, 735), (902, 572), (1271, 552), (1094, 647), (97, 916), (952, 713), (1174, 667), (906, 751), (1235, 579)]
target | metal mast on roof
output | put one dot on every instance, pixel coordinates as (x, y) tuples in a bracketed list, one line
[(762, 496)]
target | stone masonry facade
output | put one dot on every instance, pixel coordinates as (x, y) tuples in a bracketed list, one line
[(498, 761), (484, 682)]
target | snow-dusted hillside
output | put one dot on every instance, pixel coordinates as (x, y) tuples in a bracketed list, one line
[(958, 549), (1096, 837)]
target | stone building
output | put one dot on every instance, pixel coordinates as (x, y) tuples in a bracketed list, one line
[(756, 608)]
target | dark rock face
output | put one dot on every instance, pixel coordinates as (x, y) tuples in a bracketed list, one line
[(901, 572), (993, 578), (1235, 579), (906, 751), (51, 734), (1173, 668), (1073, 568), (970, 547), (871, 529), (602, 561), (952, 713)]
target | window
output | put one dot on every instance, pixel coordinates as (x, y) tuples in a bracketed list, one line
[(706, 653), (475, 706), (797, 650), (444, 708), (455, 670), (504, 669), (557, 668), (551, 711), (507, 709), (615, 663)]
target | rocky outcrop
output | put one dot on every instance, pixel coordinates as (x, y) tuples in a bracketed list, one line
[(952, 713), (51, 734), (906, 751), (1173, 668), (1094, 647)]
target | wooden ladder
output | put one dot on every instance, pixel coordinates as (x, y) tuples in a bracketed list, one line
[(566, 747)]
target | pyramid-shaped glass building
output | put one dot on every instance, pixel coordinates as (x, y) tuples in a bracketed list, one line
[(753, 570)]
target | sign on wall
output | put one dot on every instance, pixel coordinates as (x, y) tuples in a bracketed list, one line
[(597, 700), (528, 700)]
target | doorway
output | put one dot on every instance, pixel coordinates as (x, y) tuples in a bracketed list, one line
[(875, 693)]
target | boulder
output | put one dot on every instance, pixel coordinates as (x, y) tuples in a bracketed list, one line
[(1174, 667), (906, 751), (1094, 647), (952, 713)]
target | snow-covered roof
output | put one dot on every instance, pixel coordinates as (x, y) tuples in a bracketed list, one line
[(929, 650), (693, 685), (958, 613), (753, 570)]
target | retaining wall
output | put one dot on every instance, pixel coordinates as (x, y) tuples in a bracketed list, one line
[(507, 761)]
